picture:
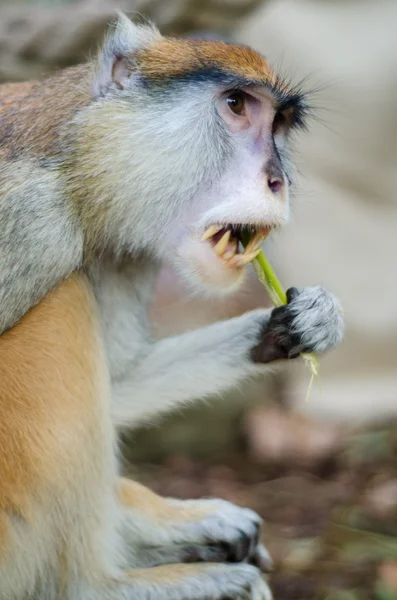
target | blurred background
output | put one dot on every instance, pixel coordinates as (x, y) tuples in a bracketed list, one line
[(322, 471)]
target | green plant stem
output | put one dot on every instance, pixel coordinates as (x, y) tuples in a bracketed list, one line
[(269, 279), (277, 295)]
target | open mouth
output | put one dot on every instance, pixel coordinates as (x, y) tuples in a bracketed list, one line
[(236, 245)]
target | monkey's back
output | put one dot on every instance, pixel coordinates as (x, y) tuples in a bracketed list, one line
[(33, 113)]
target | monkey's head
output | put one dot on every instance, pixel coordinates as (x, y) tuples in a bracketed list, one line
[(188, 151)]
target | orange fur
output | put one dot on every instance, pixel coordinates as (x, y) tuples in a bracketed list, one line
[(167, 573), (173, 57), (49, 385), (134, 495)]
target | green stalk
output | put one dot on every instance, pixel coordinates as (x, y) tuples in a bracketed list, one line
[(277, 295), (269, 279)]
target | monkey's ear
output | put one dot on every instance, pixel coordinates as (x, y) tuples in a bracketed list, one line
[(115, 59)]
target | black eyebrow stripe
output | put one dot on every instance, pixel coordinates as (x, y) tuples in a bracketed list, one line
[(285, 95), (219, 75)]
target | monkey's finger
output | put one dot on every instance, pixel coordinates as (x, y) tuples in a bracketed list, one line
[(292, 293)]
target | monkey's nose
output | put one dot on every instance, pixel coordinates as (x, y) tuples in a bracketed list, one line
[(276, 187), (275, 180), (275, 184)]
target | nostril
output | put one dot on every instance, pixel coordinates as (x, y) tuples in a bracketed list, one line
[(274, 185)]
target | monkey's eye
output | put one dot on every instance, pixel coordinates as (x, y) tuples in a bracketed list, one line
[(236, 103)]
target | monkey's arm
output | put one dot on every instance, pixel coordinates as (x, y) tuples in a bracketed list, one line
[(212, 359), (39, 244), (188, 366)]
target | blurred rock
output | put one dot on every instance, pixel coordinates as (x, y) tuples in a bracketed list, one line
[(38, 38), (302, 554), (382, 499), (387, 573), (289, 438)]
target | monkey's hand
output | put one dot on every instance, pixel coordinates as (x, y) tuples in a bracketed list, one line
[(311, 321), (175, 531)]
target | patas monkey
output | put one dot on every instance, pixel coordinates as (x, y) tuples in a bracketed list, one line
[(163, 151)]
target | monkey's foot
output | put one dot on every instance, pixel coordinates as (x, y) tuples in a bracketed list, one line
[(226, 534), (207, 531)]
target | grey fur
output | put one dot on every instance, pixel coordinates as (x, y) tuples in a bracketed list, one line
[(40, 243), (312, 321), (316, 319)]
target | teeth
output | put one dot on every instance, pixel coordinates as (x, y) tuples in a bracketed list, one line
[(240, 260), (232, 252), (251, 255), (265, 232), (257, 239), (227, 246), (254, 242), (210, 232), (222, 244)]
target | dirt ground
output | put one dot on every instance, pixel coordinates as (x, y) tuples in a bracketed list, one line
[(331, 524)]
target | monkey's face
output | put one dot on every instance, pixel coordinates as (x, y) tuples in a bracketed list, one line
[(192, 142), (249, 197)]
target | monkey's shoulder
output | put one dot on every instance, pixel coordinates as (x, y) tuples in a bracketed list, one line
[(32, 114)]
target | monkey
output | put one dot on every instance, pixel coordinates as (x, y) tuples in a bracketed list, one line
[(159, 151)]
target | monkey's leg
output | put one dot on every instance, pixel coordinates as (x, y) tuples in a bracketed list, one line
[(163, 530), (58, 511)]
